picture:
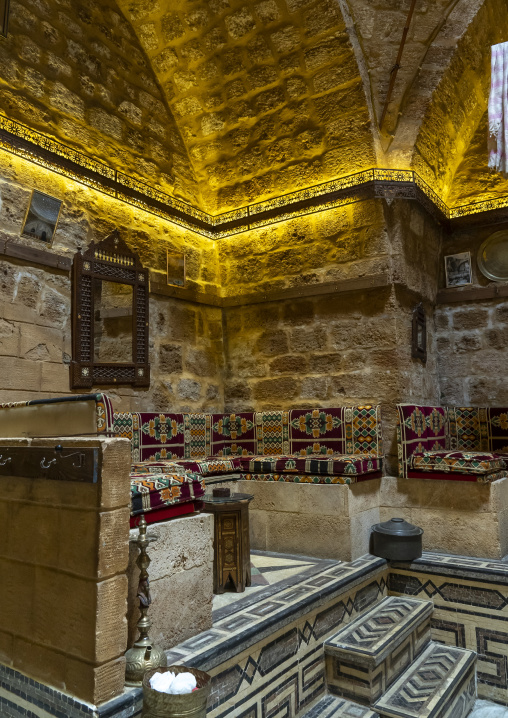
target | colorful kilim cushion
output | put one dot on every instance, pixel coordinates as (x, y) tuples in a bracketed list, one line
[(150, 492), (122, 424), (419, 429), (236, 433), (343, 430), (335, 465), (462, 462), (204, 467), (310, 478), (468, 428), (497, 418), (158, 467)]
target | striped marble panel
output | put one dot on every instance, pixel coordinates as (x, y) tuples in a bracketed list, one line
[(333, 707)]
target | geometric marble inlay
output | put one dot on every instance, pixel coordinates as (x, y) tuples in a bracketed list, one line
[(366, 656), (441, 683), (332, 707)]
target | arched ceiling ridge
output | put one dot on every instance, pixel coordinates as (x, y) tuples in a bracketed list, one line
[(267, 94), (364, 73), (453, 110)]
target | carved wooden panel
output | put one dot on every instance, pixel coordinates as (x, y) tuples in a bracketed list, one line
[(108, 261)]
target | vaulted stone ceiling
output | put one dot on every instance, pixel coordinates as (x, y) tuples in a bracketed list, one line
[(229, 102), (78, 73), (274, 95), (267, 93)]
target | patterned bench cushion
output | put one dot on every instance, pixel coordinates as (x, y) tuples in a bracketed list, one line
[(334, 465), (153, 491), (310, 478), (423, 429), (341, 430), (204, 467), (463, 462)]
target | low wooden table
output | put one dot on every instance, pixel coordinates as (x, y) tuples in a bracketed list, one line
[(231, 555)]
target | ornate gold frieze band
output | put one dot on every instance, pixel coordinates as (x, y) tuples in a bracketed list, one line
[(372, 183)]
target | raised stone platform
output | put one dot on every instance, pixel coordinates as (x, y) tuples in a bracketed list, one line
[(366, 656), (441, 683), (335, 519), (321, 520)]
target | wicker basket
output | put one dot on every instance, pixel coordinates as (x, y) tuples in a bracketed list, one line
[(166, 705)]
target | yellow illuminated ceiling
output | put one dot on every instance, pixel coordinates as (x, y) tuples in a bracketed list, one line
[(229, 103)]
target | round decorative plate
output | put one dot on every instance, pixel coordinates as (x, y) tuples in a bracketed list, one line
[(493, 256)]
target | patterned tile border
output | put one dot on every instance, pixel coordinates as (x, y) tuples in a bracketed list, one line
[(470, 610), (305, 576), (241, 625), (21, 696), (461, 566), (270, 610), (265, 652)]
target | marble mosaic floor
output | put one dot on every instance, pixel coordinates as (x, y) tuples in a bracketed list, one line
[(268, 569)]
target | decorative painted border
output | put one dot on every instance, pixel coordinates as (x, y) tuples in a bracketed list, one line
[(390, 184)]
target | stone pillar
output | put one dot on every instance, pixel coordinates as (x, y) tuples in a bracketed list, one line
[(63, 560)]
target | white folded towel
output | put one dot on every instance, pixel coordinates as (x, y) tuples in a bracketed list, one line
[(177, 684)]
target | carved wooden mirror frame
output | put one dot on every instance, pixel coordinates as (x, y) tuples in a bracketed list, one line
[(110, 261)]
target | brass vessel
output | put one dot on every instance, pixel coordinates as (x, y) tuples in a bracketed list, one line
[(187, 705), (143, 655)]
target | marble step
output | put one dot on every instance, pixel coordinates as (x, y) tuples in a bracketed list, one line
[(368, 654), (441, 683), (333, 707)]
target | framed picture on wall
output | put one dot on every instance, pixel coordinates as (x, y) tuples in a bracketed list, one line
[(176, 268), (42, 217), (4, 17), (458, 269)]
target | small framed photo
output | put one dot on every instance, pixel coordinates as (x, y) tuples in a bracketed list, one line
[(458, 269), (4, 17), (42, 217), (176, 268)]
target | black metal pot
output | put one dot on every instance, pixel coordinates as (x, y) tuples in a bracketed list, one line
[(396, 540)]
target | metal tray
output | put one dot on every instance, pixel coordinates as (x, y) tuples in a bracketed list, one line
[(493, 256)]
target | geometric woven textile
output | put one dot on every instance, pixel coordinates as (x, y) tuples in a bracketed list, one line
[(203, 467), (468, 428), (440, 683), (464, 462), (341, 430), (419, 429), (445, 440), (308, 478), (153, 491), (335, 465)]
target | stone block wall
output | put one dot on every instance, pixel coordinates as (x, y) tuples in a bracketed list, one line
[(262, 93), (35, 302), (63, 561), (472, 334), (181, 580)]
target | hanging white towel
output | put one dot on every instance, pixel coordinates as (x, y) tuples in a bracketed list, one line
[(498, 109)]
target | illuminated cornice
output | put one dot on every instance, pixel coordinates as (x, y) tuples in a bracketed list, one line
[(368, 184)]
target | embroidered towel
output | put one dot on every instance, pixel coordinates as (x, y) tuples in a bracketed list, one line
[(498, 109)]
